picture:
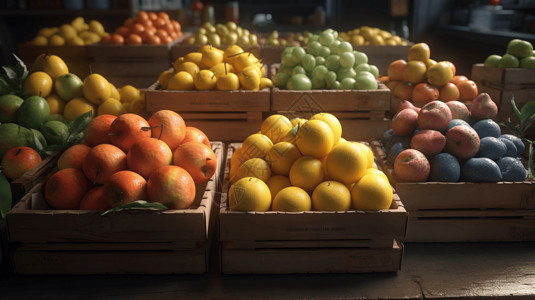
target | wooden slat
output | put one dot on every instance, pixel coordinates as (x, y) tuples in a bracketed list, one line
[(472, 213), (22, 185), (505, 76), (368, 243), (128, 69), (153, 246)]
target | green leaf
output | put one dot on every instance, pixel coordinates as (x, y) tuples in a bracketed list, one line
[(80, 123), (514, 129), (527, 110), (515, 108), (528, 122), (11, 74), (5, 195), (139, 204), (53, 149), (22, 70)]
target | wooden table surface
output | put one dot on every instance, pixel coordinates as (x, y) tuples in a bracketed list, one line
[(429, 271)]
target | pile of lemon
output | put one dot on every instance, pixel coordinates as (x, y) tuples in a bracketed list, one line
[(302, 165), (68, 96), (76, 33), (366, 35), (211, 68)]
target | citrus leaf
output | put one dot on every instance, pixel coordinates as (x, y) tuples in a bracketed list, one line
[(80, 123), (11, 74), (515, 130), (527, 110), (139, 204), (5, 195), (515, 108), (21, 69)]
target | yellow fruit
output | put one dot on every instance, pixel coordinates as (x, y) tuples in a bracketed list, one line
[(46, 32), (54, 66), (346, 162), (236, 161), (420, 52), (227, 82), (249, 194), (372, 192), (256, 145), (189, 67), (243, 60), (67, 31), (164, 77), (254, 167), (281, 157), (56, 40), (114, 92), (211, 57), (275, 127), (111, 107), (439, 74), (306, 172), (39, 41), (204, 80), (181, 81), (78, 23), (250, 78), (129, 93), (331, 196), (178, 62), (96, 27), (292, 199), (265, 82), (194, 57), (415, 71), (231, 52), (377, 40), (39, 84), (276, 183), (137, 106), (298, 121), (96, 88), (75, 41), (222, 68), (76, 107), (333, 122), (357, 40), (375, 171), (315, 138), (369, 153), (89, 37), (56, 104), (429, 63)]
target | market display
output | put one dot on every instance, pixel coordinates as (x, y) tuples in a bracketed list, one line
[(366, 35), (518, 54), (75, 33), (227, 34)]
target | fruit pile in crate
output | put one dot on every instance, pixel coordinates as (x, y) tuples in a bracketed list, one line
[(220, 35), (459, 176), (75, 33), (421, 79), (303, 172), (366, 35)]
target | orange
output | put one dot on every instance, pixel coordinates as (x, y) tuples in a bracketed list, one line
[(396, 70), (403, 91), (125, 187), (102, 161), (127, 129), (467, 90), (424, 92), (457, 79), (168, 126), (196, 158), (147, 155), (419, 52), (134, 39), (194, 134), (449, 92), (73, 157), (16, 161), (66, 188), (172, 186), (96, 132), (94, 199)]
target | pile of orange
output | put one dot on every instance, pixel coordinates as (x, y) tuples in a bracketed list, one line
[(302, 165), (422, 79), (146, 28), (128, 158)]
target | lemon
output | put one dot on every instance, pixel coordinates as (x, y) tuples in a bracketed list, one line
[(96, 88), (39, 41), (375, 171), (292, 199), (369, 153), (306, 172), (254, 167), (39, 84), (137, 107), (204, 80), (315, 138), (76, 107), (114, 92), (56, 40), (346, 162), (189, 67), (46, 32), (178, 62), (128, 93), (56, 104), (181, 81), (420, 52), (78, 23), (67, 31), (256, 145), (54, 66), (333, 122), (276, 183), (372, 192), (331, 196), (249, 194), (275, 127), (75, 41), (265, 82), (281, 157), (96, 27), (194, 57), (163, 78), (111, 107)]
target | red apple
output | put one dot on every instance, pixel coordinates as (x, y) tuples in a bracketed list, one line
[(434, 115), (411, 166), (462, 142), (459, 110), (405, 122)]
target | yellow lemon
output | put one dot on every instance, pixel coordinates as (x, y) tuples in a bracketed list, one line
[(67, 31), (315, 137), (137, 106), (56, 40), (249, 194), (293, 199), (372, 192), (46, 32), (164, 77), (39, 41), (375, 171), (281, 157), (276, 183), (204, 80), (54, 66), (369, 153), (75, 41), (128, 93), (181, 81), (333, 122), (111, 107), (114, 92), (56, 104), (254, 167), (39, 84), (222, 68), (346, 162), (78, 23), (306, 172), (265, 82), (256, 145), (177, 63), (194, 57), (96, 27), (331, 196), (76, 107), (96, 88), (420, 52), (275, 127)]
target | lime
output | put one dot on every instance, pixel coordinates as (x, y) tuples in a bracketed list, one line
[(508, 61), (8, 106), (492, 60), (33, 112), (519, 48), (528, 62)]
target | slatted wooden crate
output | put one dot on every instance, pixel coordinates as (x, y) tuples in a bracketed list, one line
[(363, 114), (128, 242), (229, 116), (76, 57), (309, 242), (466, 211), (22, 185)]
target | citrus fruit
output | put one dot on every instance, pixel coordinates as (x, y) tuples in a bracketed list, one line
[(194, 134), (115, 92), (292, 199), (276, 183), (315, 137), (439, 74), (96, 88), (196, 158), (125, 187), (416, 71), (147, 155), (163, 78), (420, 52), (127, 129), (8, 107), (281, 157), (333, 122), (38, 84), (189, 67), (73, 157), (375, 171), (172, 186), (33, 112), (181, 81), (102, 161), (56, 104), (66, 188), (331, 196), (256, 145), (77, 107), (467, 90), (168, 126), (346, 162), (306, 172), (254, 167), (94, 200), (96, 132), (371, 192), (111, 107), (129, 93), (55, 132), (369, 153), (18, 160), (54, 66), (275, 127), (249, 194), (204, 80)]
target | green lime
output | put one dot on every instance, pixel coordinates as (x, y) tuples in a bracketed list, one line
[(520, 48), (33, 112), (528, 62), (492, 60), (508, 61)]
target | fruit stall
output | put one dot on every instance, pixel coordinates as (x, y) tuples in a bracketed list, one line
[(324, 158)]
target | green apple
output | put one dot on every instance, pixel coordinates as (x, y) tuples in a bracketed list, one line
[(8, 107), (280, 80), (519, 48), (69, 86), (528, 62), (492, 60), (508, 61), (299, 82), (33, 112)]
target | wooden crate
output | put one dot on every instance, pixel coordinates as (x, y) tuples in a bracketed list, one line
[(129, 242), (361, 113), (229, 116), (22, 185), (76, 57), (309, 242), (504, 83), (466, 211)]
